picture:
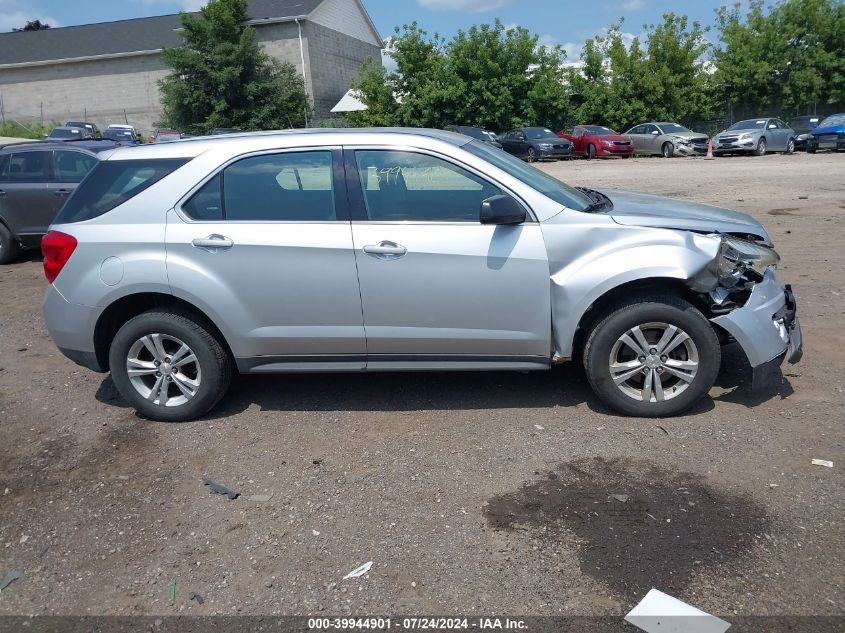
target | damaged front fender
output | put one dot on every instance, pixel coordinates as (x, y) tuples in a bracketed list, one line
[(587, 262)]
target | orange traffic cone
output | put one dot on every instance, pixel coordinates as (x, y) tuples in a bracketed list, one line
[(709, 149)]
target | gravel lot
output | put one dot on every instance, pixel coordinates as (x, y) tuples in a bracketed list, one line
[(471, 493)]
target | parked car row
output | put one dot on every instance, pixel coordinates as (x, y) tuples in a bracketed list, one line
[(663, 138)]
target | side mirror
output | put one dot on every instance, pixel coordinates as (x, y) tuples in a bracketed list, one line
[(655, 132), (772, 126), (501, 210)]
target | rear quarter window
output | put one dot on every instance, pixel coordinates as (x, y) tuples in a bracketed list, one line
[(111, 183)]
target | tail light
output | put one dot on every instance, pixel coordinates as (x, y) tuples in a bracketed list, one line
[(57, 248)]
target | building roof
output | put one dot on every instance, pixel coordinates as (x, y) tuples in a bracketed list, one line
[(124, 37), (349, 103)]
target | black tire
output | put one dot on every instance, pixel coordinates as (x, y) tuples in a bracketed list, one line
[(790, 146), (532, 155), (212, 358), (811, 149), (760, 150), (641, 310), (9, 246), (667, 150), (718, 154), (627, 155), (591, 151)]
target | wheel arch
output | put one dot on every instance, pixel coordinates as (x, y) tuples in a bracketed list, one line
[(125, 308), (599, 308)]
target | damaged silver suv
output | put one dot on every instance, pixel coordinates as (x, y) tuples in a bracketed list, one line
[(172, 266)]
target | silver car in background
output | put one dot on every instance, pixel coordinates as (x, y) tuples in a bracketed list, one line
[(667, 140), (175, 265), (755, 136)]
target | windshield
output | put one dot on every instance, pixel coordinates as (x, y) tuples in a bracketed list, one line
[(118, 135), (598, 130), (539, 132), (66, 133), (674, 128), (833, 119), (804, 123), (749, 124), (531, 176)]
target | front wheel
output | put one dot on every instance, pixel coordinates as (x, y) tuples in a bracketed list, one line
[(790, 146), (668, 150), (169, 367), (761, 148), (532, 155), (653, 356), (591, 152)]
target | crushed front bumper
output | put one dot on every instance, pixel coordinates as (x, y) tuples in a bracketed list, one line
[(766, 328)]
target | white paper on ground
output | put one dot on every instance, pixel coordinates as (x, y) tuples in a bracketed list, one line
[(359, 571), (661, 613)]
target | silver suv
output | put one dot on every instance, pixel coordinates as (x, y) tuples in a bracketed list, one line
[(175, 265)]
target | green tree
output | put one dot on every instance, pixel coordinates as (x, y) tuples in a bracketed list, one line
[(623, 83), (221, 77), (487, 76), (784, 61)]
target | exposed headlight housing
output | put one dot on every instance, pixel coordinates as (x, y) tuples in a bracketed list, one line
[(745, 136), (736, 256)]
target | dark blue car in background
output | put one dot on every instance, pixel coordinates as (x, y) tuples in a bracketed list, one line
[(830, 134)]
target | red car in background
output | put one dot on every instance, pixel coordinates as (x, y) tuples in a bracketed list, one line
[(596, 140)]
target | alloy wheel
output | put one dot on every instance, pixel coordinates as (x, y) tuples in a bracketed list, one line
[(531, 155), (163, 370), (653, 362)]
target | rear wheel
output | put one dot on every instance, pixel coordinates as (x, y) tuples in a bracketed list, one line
[(652, 356), (9, 246), (591, 151), (169, 367), (761, 148), (668, 150)]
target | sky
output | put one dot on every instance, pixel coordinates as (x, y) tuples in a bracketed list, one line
[(564, 22)]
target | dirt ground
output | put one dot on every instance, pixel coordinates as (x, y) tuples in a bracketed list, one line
[(470, 493)]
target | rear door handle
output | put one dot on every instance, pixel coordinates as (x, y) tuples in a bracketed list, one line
[(212, 243), (385, 250), (2, 193), (61, 192)]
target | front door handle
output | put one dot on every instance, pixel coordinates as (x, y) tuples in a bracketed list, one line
[(61, 192), (2, 193), (385, 250), (213, 243)]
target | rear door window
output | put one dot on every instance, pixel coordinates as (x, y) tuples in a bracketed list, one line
[(30, 166), (285, 187), (113, 182), (71, 166)]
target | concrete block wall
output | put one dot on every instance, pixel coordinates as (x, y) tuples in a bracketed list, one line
[(103, 88), (335, 61)]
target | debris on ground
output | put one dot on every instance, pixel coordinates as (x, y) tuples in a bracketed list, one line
[(221, 490), (14, 575), (621, 498), (360, 571), (659, 612), (24, 539), (823, 462), (261, 498), (197, 598), (539, 428), (173, 592)]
